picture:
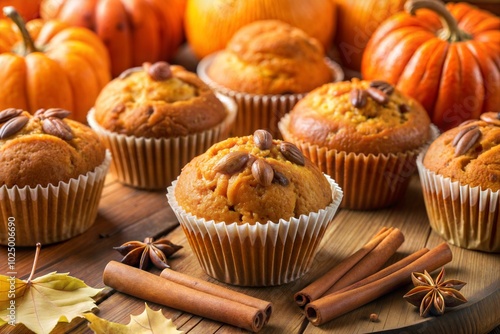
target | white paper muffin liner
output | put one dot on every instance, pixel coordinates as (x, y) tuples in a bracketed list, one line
[(261, 254), (368, 181), (153, 163), (259, 111), (464, 216), (53, 213)]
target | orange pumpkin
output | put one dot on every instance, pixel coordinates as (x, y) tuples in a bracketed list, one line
[(211, 23), (134, 31), (356, 22), (446, 57), (48, 64), (28, 9)]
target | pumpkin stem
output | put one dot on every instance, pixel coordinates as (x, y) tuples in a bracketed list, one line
[(29, 45), (450, 32)]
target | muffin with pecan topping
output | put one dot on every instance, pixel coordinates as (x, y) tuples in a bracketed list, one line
[(52, 171), (366, 135), (460, 176), (157, 117), (257, 194), (267, 66)]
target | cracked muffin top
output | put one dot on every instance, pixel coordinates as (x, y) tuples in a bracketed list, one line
[(270, 57), (469, 153), (369, 117), (158, 101), (45, 148), (252, 179)]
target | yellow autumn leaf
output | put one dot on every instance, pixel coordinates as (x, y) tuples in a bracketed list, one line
[(40, 303), (47, 300), (148, 322)]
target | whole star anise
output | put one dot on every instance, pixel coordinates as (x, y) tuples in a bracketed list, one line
[(433, 296), (141, 254)]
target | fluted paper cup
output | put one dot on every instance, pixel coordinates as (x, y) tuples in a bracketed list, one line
[(261, 254), (53, 213), (368, 181), (259, 111), (153, 163), (467, 217)]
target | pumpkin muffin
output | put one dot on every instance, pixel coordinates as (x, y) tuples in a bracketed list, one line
[(267, 66), (257, 194), (52, 171), (460, 175), (365, 135), (156, 118)]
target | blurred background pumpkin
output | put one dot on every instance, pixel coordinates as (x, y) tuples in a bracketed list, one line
[(356, 22), (446, 57), (28, 9), (134, 31), (209, 24), (48, 64)]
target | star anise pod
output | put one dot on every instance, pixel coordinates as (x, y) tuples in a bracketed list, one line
[(433, 296), (141, 254)]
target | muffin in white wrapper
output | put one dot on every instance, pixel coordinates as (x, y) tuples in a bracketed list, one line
[(369, 181), (260, 254), (256, 111), (464, 216), (52, 213), (153, 163)]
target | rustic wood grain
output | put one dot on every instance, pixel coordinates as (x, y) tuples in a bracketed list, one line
[(129, 214)]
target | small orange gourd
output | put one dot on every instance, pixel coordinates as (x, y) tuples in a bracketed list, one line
[(50, 65), (134, 31), (445, 56)]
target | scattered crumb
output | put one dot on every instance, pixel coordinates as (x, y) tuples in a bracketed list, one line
[(374, 317)]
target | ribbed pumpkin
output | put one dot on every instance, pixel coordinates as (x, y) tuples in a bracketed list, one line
[(49, 64), (356, 22), (134, 31), (28, 9), (446, 57), (211, 23)]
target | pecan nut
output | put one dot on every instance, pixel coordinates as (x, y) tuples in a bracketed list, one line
[(12, 126), (358, 97), (292, 153), (9, 113), (263, 139), (262, 172), (383, 86), (280, 179), (467, 140), (159, 71), (232, 162), (56, 127), (491, 117), (52, 112), (378, 95)]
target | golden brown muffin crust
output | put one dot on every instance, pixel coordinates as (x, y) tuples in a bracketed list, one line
[(32, 157), (137, 105), (238, 197), (326, 117), (271, 57), (479, 165)]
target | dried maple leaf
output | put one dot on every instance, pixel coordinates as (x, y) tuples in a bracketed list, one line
[(148, 321), (40, 303)]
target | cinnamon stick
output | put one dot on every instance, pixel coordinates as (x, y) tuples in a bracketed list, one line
[(153, 288), (364, 262), (217, 290), (338, 303)]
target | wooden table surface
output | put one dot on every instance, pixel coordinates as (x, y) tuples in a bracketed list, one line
[(128, 214)]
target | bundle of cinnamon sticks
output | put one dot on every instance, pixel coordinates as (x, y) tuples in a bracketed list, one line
[(189, 294), (358, 280)]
